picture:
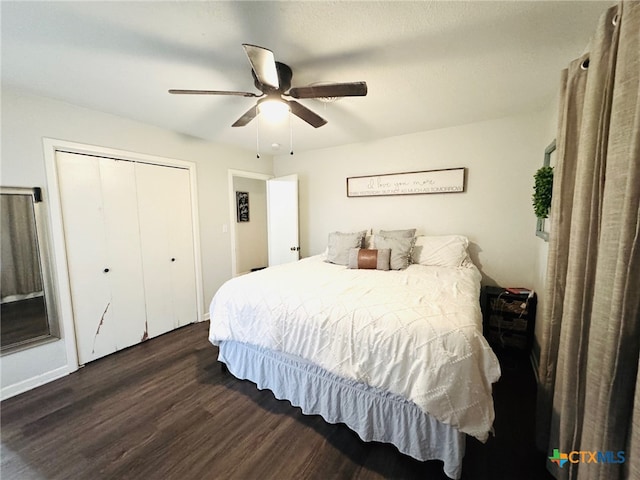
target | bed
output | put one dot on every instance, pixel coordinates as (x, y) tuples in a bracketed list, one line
[(396, 355)]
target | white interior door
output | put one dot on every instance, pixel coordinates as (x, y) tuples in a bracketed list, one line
[(166, 235), (282, 219), (98, 198)]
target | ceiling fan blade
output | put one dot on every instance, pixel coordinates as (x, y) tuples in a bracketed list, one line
[(353, 89), (247, 117), (264, 65), (213, 92), (305, 114)]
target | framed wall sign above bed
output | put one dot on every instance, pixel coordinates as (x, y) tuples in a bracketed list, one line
[(449, 180)]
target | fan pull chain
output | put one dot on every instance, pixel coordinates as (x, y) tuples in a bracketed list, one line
[(290, 136), (257, 136)]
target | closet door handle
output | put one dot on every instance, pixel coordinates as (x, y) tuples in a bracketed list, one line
[(106, 270)]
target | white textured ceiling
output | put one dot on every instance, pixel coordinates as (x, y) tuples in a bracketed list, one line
[(427, 64)]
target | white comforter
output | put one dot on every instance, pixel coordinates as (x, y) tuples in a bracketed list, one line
[(416, 332)]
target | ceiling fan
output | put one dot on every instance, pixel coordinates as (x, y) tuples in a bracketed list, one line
[(273, 79)]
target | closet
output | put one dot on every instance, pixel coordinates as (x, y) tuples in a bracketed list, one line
[(130, 250)]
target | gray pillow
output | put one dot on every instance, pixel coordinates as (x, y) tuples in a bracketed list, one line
[(400, 250), (369, 258), (340, 244), (408, 233)]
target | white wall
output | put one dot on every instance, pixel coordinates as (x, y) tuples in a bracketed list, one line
[(251, 236), (495, 212), (26, 119), (540, 270)]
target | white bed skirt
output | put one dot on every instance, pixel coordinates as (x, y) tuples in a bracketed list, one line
[(375, 415)]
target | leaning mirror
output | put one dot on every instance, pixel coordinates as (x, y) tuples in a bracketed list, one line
[(28, 313)]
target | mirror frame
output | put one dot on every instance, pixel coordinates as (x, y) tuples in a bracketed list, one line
[(542, 226), (46, 270)]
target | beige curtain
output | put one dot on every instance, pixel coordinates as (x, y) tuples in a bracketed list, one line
[(589, 397), (19, 259)]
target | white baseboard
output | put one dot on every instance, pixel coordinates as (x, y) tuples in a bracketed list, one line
[(33, 382)]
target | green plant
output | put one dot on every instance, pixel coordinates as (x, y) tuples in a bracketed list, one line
[(542, 191)]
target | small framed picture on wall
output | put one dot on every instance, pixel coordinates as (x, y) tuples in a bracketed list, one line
[(242, 206)]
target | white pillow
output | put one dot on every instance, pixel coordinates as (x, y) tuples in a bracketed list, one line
[(442, 251)]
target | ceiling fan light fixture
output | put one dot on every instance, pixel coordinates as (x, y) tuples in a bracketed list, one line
[(274, 111), (273, 79)]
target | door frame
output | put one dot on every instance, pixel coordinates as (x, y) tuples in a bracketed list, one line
[(58, 249), (232, 210)]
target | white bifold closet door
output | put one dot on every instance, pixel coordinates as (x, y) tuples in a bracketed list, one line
[(130, 252), (166, 235), (98, 198)]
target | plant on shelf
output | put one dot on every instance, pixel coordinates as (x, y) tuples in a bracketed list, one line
[(542, 191)]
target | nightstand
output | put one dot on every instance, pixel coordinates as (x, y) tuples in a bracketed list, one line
[(508, 319)]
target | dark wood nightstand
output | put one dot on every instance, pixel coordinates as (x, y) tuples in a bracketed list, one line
[(508, 318)]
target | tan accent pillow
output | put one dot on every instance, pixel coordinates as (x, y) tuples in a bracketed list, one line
[(367, 258), (408, 233), (340, 244), (400, 250)]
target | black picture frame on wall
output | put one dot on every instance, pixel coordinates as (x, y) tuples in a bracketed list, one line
[(242, 206)]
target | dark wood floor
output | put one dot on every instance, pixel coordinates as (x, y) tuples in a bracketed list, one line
[(164, 410)]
